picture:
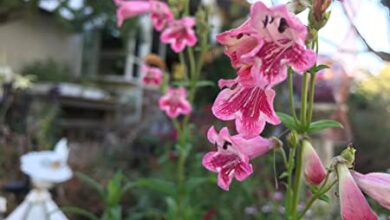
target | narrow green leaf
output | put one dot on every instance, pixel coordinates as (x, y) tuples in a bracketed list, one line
[(128, 187), (81, 212), (158, 185), (318, 68), (202, 83), (323, 124), (194, 182), (92, 183), (283, 175), (324, 198), (288, 121), (172, 207), (314, 189)]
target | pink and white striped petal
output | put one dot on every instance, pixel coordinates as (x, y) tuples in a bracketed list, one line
[(353, 204), (314, 170), (376, 185)]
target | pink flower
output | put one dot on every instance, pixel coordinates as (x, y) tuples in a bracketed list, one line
[(180, 34), (129, 9), (376, 185), (175, 102), (250, 107), (314, 170), (231, 159), (239, 42), (161, 14), (352, 201), (151, 75), (283, 43), (266, 43)]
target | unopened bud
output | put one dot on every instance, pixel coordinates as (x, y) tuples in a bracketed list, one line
[(314, 169), (293, 139), (318, 24), (319, 8), (349, 154)]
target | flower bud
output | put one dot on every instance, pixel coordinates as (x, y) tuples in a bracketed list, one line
[(318, 24), (314, 170), (292, 139), (319, 8), (349, 155)]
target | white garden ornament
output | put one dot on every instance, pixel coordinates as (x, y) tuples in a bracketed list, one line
[(45, 168)]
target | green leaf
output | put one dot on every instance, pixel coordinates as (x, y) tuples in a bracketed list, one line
[(283, 175), (158, 185), (288, 121), (81, 212), (324, 198), (194, 182), (172, 207), (202, 83), (114, 189), (128, 187), (314, 189), (318, 68), (323, 124), (92, 183)]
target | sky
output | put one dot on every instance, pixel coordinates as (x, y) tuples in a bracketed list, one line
[(372, 20)]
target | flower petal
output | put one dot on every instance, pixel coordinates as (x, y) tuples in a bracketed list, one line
[(250, 107), (175, 102), (212, 135), (224, 180), (253, 147), (180, 34), (129, 9), (238, 42), (314, 170), (353, 204), (161, 14), (207, 161), (376, 185), (243, 171)]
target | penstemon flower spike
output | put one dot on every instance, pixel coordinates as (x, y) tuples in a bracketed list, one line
[(261, 50)]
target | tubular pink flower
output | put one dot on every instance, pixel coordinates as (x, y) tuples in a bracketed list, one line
[(161, 14), (151, 75), (175, 102), (353, 204), (231, 159), (129, 9), (314, 170), (376, 185), (250, 107), (282, 37), (180, 34), (266, 43), (238, 42)]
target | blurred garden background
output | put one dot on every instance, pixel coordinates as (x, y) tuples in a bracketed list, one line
[(67, 70)]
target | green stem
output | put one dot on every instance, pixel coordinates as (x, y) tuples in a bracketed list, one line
[(187, 8), (311, 99), (180, 185), (183, 62), (284, 156), (177, 126), (291, 163), (304, 99), (291, 93), (193, 71), (297, 183), (315, 197)]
